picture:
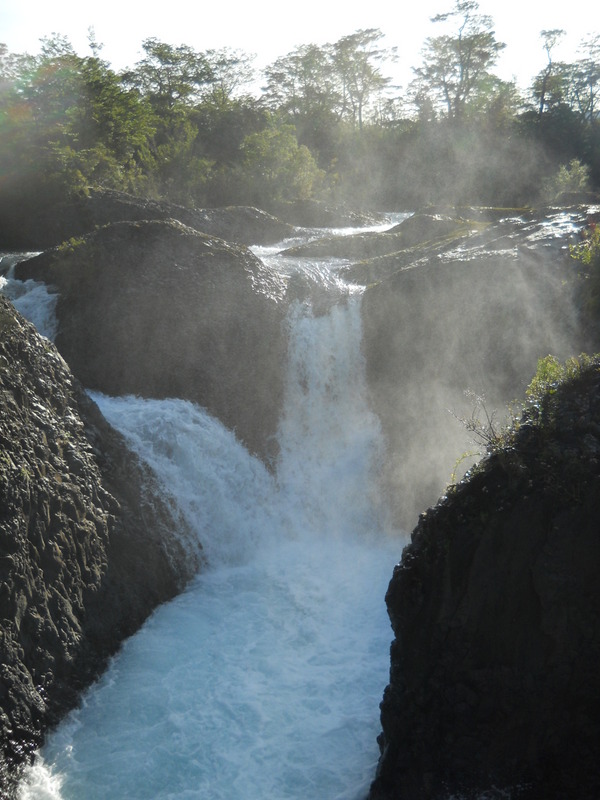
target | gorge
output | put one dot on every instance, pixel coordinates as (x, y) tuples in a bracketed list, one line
[(263, 676)]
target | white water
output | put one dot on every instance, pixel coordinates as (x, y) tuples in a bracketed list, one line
[(262, 681), (34, 300)]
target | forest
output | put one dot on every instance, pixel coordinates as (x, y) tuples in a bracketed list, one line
[(326, 124)]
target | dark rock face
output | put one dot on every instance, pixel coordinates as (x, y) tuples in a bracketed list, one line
[(159, 310), (473, 313), (87, 546), (495, 607), (31, 223)]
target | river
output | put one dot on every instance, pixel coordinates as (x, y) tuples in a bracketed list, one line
[(263, 679)]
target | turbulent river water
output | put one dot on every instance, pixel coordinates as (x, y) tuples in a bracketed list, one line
[(262, 680)]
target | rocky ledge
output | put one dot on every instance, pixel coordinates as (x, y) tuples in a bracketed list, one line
[(494, 683), (88, 545)]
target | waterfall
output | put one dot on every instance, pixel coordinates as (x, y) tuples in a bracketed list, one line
[(262, 680)]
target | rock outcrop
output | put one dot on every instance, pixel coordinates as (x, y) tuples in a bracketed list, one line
[(37, 223), (495, 607), (414, 230), (159, 310), (88, 545), (465, 312)]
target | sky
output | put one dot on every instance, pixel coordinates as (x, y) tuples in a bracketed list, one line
[(270, 30)]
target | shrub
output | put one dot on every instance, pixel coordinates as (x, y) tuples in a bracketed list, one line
[(587, 254), (571, 177)]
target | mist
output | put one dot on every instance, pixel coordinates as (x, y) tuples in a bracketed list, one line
[(469, 322)]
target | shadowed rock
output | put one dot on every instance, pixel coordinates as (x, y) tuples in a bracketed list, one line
[(476, 316), (494, 684), (157, 309)]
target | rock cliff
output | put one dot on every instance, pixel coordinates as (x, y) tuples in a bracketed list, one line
[(466, 307), (88, 546), (495, 606), (160, 310)]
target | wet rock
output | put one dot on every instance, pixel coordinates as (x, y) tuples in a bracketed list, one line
[(417, 229), (316, 214), (157, 309), (88, 545), (495, 606), (358, 245)]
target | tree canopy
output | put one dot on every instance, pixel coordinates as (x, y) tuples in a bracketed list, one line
[(456, 66), (327, 123)]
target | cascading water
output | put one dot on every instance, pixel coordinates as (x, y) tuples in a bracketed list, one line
[(263, 679)]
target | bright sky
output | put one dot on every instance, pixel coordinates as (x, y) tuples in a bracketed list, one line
[(270, 29)]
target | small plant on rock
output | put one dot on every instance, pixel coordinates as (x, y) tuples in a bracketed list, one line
[(587, 255)]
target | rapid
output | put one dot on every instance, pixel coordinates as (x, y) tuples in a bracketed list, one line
[(262, 680)]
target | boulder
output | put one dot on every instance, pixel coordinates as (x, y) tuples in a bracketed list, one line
[(88, 545), (157, 309), (495, 605)]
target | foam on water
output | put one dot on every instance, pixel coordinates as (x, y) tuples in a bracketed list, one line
[(227, 496), (35, 302), (263, 679)]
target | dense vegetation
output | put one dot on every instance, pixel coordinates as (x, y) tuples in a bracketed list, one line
[(182, 124)]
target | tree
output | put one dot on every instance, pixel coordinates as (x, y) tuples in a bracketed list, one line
[(584, 79), (230, 69), (457, 66), (302, 84), (275, 168), (337, 79), (169, 76), (354, 60), (303, 87), (549, 85), (74, 124)]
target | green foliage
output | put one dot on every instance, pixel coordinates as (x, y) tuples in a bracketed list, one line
[(588, 252), (587, 255), (492, 435), (540, 418), (177, 125), (69, 122), (170, 76), (571, 177), (548, 374), (551, 373), (275, 168), (456, 65)]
